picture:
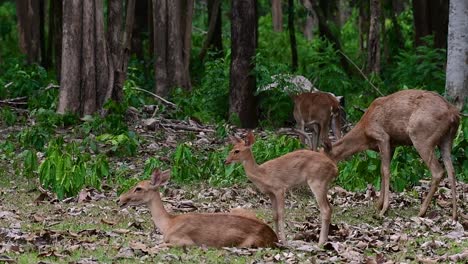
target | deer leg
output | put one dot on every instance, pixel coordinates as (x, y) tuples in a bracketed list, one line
[(426, 151), (301, 128), (446, 148), (320, 191), (336, 126), (315, 129), (385, 156), (274, 206), (280, 212)]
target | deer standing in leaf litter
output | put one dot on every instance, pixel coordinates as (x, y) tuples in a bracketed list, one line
[(238, 229), (276, 176), (411, 117), (315, 110)]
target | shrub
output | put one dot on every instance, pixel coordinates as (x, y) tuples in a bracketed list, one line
[(66, 169)]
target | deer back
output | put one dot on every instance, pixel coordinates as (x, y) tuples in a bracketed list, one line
[(221, 230)]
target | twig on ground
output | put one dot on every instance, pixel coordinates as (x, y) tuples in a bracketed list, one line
[(189, 128), (156, 96)]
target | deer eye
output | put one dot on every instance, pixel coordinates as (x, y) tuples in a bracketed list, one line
[(138, 189), (236, 151)]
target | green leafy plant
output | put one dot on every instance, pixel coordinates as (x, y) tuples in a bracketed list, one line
[(125, 144), (8, 116), (35, 136), (66, 169), (30, 163)]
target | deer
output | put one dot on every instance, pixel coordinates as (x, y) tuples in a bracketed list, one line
[(276, 176), (410, 117), (315, 110), (237, 229)]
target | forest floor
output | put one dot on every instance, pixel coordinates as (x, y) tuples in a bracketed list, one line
[(35, 227)]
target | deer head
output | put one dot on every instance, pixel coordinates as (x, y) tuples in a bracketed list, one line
[(142, 193), (242, 148)]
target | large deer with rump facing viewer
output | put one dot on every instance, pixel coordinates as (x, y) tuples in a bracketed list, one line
[(238, 229), (276, 176), (411, 117), (316, 110)]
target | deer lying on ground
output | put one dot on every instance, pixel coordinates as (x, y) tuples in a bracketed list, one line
[(411, 117), (314, 110), (238, 229), (276, 176)]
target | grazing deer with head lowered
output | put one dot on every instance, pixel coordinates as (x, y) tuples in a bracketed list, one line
[(276, 176), (237, 229), (315, 111), (411, 117)]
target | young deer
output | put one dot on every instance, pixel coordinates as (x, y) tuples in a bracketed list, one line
[(314, 110), (276, 176), (238, 229), (411, 117)]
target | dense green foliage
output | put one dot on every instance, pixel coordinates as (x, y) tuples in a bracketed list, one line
[(70, 164)]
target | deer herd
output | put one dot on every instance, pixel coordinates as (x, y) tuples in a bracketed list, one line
[(411, 117)]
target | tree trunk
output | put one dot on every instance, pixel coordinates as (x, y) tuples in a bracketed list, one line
[(57, 34), (214, 36), (168, 46), (160, 42), (373, 55), (292, 35), (311, 20), (456, 85), (28, 13), (363, 25), (45, 60), (150, 29), (242, 101), (70, 82), (277, 15), (187, 40), (93, 71)]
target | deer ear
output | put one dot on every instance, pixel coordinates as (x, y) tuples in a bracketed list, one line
[(155, 176), (249, 139), (165, 176)]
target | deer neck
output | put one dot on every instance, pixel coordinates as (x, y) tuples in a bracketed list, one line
[(159, 215), (251, 167), (353, 142)]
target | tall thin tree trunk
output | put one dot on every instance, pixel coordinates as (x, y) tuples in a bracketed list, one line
[(70, 81), (373, 55), (242, 101), (292, 35), (88, 70), (57, 34), (150, 29), (456, 85), (139, 27), (311, 20), (28, 13), (213, 37), (277, 15), (187, 48), (160, 50)]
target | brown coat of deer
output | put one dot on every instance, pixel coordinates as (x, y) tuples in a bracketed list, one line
[(276, 176), (315, 111), (411, 117), (238, 229)]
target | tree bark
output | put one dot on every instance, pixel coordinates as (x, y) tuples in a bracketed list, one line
[(70, 82), (28, 13), (277, 15), (187, 47), (57, 34), (373, 55), (213, 37), (168, 47), (242, 101), (311, 20), (363, 25), (456, 85), (292, 35)]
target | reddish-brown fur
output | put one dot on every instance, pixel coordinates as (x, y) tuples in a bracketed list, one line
[(411, 117), (276, 176), (238, 229), (317, 109)]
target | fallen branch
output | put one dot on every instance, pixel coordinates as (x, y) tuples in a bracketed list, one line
[(15, 102), (189, 128), (363, 75), (156, 96)]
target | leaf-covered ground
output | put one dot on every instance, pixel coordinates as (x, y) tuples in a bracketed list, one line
[(91, 228)]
